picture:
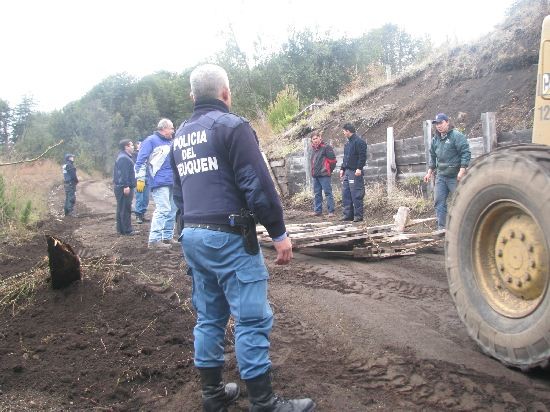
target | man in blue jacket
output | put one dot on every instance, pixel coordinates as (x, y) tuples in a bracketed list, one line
[(70, 180), (219, 172), (351, 173), (124, 181), (449, 157), (153, 164)]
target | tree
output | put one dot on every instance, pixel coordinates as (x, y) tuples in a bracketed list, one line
[(283, 109), (22, 115), (145, 116), (5, 122)]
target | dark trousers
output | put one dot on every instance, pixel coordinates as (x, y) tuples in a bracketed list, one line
[(123, 210), (353, 192), (70, 198)]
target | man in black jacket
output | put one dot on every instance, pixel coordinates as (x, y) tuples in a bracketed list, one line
[(70, 181), (351, 173), (124, 182)]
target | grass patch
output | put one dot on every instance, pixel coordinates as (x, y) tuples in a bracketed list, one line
[(379, 208), (25, 193), (18, 291)]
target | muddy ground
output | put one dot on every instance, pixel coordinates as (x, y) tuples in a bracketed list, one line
[(352, 335)]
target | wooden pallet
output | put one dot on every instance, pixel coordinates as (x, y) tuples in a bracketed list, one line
[(356, 241)]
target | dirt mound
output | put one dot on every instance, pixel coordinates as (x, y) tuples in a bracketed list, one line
[(495, 74)]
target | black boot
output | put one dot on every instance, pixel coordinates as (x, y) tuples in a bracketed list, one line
[(262, 398), (215, 395)]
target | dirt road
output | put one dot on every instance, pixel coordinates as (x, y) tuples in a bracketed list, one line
[(352, 335)]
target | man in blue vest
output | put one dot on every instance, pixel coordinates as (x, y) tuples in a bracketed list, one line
[(153, 165), (222, 186)]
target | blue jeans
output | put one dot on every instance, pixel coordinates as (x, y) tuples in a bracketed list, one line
[(322, 184), (142, 201), (228, 281), (353, 192), (164, 216), (444, 186)]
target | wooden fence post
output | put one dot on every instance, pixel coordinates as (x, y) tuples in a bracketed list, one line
[(391, 168), (489, 127), (427, 129), (307, 166)]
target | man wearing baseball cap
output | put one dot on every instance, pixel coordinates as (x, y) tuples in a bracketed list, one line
[(70, 180), (449, 157)]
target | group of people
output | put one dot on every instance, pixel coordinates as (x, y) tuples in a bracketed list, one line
[(212, 171), (323, 163), (147, 171), (449, 158)]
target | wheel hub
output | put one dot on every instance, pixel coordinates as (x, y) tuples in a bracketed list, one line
[(510, 256), (518, 257)]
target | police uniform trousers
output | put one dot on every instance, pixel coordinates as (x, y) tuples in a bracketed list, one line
[(228, 281), (353, 193)]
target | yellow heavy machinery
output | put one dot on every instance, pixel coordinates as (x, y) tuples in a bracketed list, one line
[(497, 245)]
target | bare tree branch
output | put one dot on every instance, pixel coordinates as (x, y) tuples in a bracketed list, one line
[(32, 160)]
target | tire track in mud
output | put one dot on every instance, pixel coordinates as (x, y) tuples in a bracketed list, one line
[(413, 384), (364, 283), (431, 384)]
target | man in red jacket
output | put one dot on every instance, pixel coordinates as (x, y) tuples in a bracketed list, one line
[(323, 162)]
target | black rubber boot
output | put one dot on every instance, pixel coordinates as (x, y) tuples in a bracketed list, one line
[(262, 398), (216, 396)]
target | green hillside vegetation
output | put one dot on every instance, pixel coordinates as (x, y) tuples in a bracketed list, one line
[(311, 66)]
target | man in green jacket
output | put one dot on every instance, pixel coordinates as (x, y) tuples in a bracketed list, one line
[(449, 157)]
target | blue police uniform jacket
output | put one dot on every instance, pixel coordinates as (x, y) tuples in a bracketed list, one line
[(219, 170), (355, 153), (69, 173)]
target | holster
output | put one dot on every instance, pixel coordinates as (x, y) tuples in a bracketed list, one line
[(246, 221)]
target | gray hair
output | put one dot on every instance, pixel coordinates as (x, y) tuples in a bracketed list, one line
[(208, 81), (164, 123)]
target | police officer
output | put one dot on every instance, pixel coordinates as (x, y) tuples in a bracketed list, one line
[(351, 173), (218, 171), (70, 181)]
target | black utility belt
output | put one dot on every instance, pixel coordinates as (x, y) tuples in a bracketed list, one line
[(214, 226)]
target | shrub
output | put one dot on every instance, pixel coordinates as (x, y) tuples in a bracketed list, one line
[(7, 206), (283, 109), (26, 213)]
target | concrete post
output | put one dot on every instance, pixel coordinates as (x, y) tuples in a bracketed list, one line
[(391, 167), (489, 127), (307, 166), (427, 132)]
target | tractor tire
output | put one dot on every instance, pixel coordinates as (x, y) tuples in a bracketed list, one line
[(497, 254)]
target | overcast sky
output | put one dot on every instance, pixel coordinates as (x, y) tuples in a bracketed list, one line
[(57, 50)]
